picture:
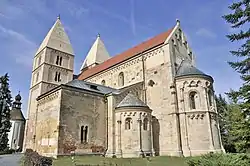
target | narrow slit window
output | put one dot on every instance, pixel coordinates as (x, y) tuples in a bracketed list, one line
[(57, 60), (59, 77), (145, 124), (86, 134), (193, 100), (60, 62), (56, 76), (82, 133)]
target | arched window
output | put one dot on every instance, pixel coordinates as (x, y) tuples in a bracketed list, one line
[(121, 79), (60, 61), (209, 98), (84, 133), (128, 122), (39, 60), (145, 124), (103, 82), (193, 100), (57, 60), (56, 76)]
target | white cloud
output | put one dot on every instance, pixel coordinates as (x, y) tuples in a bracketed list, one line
[(203, 32)]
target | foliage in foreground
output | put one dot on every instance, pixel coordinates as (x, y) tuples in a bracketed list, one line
[(239, 18), (220, 159), (5, 104), (32, 158)]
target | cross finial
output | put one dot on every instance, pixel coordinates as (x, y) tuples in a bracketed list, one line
[(19, 92), (98, 35), (58, 17)]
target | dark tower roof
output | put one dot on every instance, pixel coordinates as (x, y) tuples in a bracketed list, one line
[(16, 113), (187, 69), (131, 101)]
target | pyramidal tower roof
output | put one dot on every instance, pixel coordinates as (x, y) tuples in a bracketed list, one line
[(57, 39), (131, 101), (97, 54)]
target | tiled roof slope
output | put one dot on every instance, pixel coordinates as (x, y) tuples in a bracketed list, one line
[(131, 101), (153, 42), (187, 69)]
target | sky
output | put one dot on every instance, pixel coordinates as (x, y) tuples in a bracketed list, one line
[(121, 24)]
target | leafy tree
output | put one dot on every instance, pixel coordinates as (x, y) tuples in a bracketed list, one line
[(239, 18), (223, 112), (5, 103)]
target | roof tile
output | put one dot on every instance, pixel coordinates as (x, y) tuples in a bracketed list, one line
[(153, 42)]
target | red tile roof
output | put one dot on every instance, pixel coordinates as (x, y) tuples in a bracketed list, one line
[(153, 42)]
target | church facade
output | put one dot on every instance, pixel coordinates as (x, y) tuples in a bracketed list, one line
[(149, 100)]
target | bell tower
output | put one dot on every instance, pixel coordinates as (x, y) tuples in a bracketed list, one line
[(53, 65)]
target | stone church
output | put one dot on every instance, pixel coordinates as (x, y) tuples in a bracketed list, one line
[(149, 100)]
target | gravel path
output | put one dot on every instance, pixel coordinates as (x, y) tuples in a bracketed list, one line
[(10, 159)]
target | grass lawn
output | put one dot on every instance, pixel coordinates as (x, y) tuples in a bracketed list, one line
[(94, 161)]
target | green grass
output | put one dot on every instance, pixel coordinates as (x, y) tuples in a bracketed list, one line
[(154, 161)]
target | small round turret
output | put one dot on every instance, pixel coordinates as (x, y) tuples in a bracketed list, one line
[(18, 97)]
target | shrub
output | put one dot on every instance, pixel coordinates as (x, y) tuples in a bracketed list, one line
[(7, 151), (32, 158), (220, 159)]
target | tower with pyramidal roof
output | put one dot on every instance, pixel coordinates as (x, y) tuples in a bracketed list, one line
[(53, 65)]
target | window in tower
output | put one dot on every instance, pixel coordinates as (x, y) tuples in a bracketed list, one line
[(59, 77), (60, 61), (121, 79), (210, 98), (37, 76), (145, 124), (39, 60), (193, 97), (128, 122), (56, 76), (57, 60)]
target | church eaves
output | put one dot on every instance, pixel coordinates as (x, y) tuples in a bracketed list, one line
[(144, 46), (57, 39), (97, 54)]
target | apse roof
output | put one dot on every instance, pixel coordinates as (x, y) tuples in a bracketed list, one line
[(186, 69), (131, 101)]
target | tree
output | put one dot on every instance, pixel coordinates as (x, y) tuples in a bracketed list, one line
[(5, 104), (239, 18), (224, 123)]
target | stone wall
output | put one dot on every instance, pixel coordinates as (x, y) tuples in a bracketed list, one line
[(135, 140), (47, 122), (80, 109), (199, 131)]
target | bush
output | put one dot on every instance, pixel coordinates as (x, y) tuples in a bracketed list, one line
[(32, 158), (7, 151), (220, 159)]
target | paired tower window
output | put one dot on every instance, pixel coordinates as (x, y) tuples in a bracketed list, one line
[(59, 60), (84, 134), (121, 79), (58, 77), (128, 122)]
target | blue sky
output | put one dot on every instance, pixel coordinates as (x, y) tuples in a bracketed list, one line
[(122, 24)]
